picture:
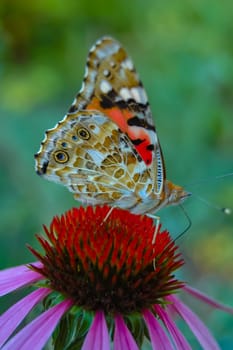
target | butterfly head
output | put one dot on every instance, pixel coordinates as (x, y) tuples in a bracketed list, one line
[(176, 194)]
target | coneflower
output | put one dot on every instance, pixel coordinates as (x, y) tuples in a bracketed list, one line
[(104, 285)]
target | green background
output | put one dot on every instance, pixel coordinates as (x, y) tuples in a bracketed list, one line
[(183, 51)]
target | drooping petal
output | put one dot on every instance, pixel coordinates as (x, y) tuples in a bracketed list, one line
[(97, 337), (158, 337), (13, 316), (195, 324), (123, 339), (178, 338), (35, 334), (16, 277), (206, 299)]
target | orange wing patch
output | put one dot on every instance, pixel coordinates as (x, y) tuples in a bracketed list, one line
[(138, 135)]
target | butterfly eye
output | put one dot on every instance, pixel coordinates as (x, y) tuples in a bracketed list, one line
[(83, 134), (61, 157)]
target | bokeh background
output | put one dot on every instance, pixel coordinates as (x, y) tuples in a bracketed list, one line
[(183, 51)]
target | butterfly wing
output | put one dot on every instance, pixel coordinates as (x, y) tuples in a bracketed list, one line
[(106, 149), (90, 155), (112, 86)]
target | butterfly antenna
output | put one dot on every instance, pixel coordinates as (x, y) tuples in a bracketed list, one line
[(226, 211), (188, 225), (208, 179)]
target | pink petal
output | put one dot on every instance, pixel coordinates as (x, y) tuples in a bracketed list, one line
[(13, 316), (16, 277), (195, 324), (158, 337), (178, 338), (123, 339), (97, 337), (35, 334), (204, 298)]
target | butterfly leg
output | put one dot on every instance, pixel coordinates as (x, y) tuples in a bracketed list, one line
[(108, 214), (157, 221)]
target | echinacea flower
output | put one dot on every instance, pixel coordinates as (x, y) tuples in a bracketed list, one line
[(104, 285)]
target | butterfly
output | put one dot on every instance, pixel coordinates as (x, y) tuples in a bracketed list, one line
[(106, 149)]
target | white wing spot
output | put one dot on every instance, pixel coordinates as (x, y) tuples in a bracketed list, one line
[(127, 64), (125, 94), (139, 94), (86, 72), (105, 86), (93, 48), (106, 73), (81, 90), (74, 101)]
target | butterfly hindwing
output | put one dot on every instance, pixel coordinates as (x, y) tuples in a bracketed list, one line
[(90, 155)]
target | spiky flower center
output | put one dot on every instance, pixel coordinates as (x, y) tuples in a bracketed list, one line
[(107, 261)]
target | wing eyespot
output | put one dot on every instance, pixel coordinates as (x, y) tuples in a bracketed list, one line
[(83, 133), (74, 138), (64, 144), (61, 156)]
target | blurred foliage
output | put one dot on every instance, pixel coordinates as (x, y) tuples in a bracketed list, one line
[(183, 51)]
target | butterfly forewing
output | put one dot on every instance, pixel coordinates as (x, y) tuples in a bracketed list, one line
[(111, 85)]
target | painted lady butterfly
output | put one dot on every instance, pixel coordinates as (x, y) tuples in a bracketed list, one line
[(106, 150)]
